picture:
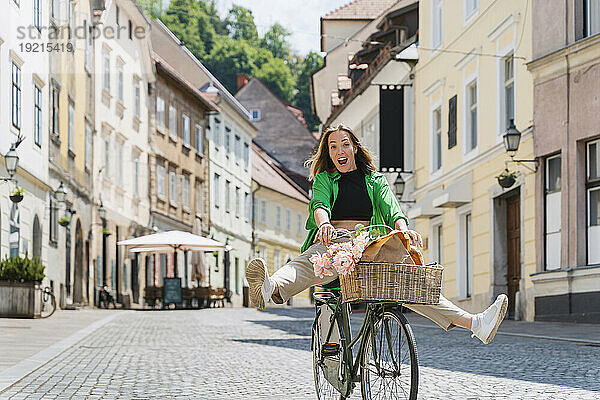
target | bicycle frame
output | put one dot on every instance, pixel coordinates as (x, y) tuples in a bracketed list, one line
[(342, 316)]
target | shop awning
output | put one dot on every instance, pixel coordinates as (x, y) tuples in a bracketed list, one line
[(172, 240), (424, 208)]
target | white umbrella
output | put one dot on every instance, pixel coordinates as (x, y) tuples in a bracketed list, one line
[(172, 240)]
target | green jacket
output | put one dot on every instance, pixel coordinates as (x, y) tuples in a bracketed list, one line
[(386, 210)]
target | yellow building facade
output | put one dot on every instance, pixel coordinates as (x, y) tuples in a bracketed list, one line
[(471, 80)]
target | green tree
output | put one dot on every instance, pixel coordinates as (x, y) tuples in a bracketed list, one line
[(240, 24), (276, 75), (230, 57), (275, 40), (312, 62), (153, 8)]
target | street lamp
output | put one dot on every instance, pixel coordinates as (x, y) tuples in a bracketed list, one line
[(512, 138), (102, 211), (97, 7), (11, 160), (399, 186), (61, 193)]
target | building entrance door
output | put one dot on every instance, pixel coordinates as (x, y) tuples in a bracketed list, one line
[(513, 250)]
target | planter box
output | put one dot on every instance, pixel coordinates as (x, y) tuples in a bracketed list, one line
[(20, 300)]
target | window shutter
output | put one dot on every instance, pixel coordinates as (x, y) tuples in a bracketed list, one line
[(452, 122)]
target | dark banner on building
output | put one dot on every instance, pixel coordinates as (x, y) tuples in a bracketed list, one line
[(391, 128)]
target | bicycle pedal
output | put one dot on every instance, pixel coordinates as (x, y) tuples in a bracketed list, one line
[(330, 349)]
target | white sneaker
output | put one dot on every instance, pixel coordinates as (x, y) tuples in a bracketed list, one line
[(489, 320), (261, 286)]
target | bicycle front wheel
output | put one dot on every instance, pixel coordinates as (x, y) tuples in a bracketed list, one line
[(389, 367), (48, 304)]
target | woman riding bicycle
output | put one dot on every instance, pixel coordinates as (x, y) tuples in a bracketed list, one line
[(348, 190)]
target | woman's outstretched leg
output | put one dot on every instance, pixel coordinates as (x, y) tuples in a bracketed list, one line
[(289, 280), (446, 314)]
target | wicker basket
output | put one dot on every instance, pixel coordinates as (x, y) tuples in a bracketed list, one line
[(405, 283)]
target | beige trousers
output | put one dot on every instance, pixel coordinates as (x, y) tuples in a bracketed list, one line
[(298, 275)]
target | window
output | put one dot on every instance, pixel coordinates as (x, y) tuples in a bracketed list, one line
[(217, 132), (553, 212), (137, 96), (436, 23), (119, 167), (56, 9), (471, 137), (299, 231), (238, 207), (88, 46), (37, 116), (198, 198), (53, 221), (465, 254), (288, 220), (255, 115), (107, 72), (172, 122), (263, 211), (37, 14), (278, 216), (160, 180), (120, 83), (592, 16), (16, 96), (246, 155), (71, 132), (277, 259), (436, 121), (593, 202), (247, 205), (107, 158), (173, 187), (185, 191), (237, 149), (185, 125), (88, 147), (199, 138), (227, 196), (216, 190), (509, 91), (227, 141), (436, 241), (136, 176), (471, 8), (55, 109), (14, 237), (160, 112), (452, 119)]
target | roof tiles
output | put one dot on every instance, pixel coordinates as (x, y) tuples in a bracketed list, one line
[(360, 9)]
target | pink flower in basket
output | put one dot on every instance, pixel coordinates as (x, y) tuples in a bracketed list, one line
[(321, 265), (344, 262)]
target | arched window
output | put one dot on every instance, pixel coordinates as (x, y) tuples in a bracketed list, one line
[(14, 238)]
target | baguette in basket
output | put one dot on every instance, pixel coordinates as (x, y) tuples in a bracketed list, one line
[(392, 248)]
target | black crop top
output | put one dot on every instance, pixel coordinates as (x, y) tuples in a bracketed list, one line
[(353, 202)]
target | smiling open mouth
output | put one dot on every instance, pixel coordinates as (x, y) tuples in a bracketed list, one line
[(342, 161)]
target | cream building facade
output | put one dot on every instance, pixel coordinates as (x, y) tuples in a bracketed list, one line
[(470, 81), (124, 69), (279, 215)]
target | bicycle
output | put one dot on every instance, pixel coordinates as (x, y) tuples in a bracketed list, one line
[(48, 303), (386, 355)]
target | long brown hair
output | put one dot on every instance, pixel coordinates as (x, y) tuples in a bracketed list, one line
[(320, 160)]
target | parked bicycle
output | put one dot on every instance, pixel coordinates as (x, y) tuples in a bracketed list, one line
[(48, 303), (105, 298)]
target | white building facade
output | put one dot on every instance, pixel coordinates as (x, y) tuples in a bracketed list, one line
[(24, 226), (124, 69)]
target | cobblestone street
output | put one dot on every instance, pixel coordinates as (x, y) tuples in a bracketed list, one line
[(250, 354)]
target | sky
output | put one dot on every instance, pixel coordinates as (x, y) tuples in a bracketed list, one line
[(301, 17)]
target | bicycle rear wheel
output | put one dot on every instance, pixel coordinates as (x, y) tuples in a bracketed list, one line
[(389, 367), (48, 304)]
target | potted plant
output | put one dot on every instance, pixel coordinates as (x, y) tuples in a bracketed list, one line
[(20, 286), (106, 232), (64, 221), (17, 194), (507, 178)]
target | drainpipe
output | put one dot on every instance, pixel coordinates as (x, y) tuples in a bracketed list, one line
[(253, 244)]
